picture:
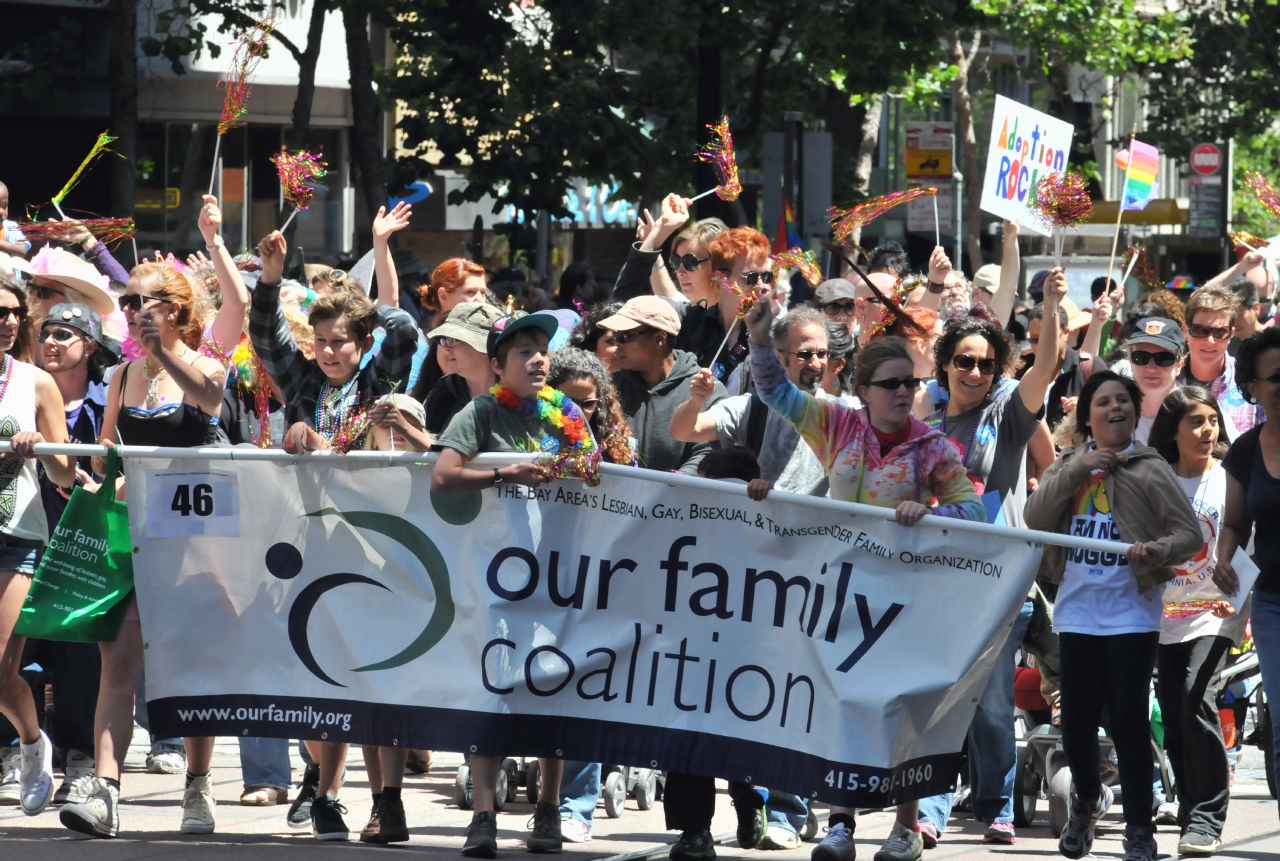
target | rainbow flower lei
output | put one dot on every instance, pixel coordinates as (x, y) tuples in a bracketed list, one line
[(550, 406)]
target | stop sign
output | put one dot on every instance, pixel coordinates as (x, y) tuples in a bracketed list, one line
[(1206, 159)]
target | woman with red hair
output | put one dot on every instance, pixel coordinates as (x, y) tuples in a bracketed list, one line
[(740, 259), (453, 282)]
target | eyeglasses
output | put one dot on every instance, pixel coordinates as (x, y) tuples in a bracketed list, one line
[(1219, 333), (688, 262), (134, 301), (1144, 357), (629, 336), (838, 308), (986, 367), (873, 299), (892, 384), (806, 355), (15, 312), (59, 335), (588, 403), (447, 343), (751, 278), (46, 293)]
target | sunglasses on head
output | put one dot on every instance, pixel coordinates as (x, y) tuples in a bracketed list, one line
[(134, 301), (892, 384), (752, 278), (687, 262), (986, 367), (630, 335), (46, 293), (1219, 333), (59, 335), (806, 355), (1145, 357)]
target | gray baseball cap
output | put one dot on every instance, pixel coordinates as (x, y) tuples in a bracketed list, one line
[(833, 290), (470, 323)]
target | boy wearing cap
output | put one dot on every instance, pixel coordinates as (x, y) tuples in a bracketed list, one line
[(509, 420), (654, 381)]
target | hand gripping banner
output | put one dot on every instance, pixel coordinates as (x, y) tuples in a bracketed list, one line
[(653, 620)]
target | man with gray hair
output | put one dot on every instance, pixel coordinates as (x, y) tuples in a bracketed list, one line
[(786, 462)]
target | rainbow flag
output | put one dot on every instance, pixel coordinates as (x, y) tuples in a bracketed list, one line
[(1140, 162), (788, 235)]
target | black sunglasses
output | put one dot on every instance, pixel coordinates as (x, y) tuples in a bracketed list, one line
[(45, 293), (631, 335), (59, 335), (133, 301), (1274, 379), (986, 367), (839, 307), (751, 278), (688, 262), (892, 384), (15, 312), (1143, 357), (806, 355), (1219, 333)]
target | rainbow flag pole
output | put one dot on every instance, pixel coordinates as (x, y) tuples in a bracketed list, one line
[(1141, 164)]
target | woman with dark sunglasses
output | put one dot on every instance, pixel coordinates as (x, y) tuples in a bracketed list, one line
[(877, 455), (990, 425), (1156, 353)]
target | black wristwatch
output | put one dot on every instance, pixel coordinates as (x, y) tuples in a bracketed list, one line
[(497, 477), (936, 288)]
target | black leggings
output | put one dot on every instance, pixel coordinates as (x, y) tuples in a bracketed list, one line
[(1112, 672), (689, 800)]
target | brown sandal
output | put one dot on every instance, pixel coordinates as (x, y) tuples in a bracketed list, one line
[(264, 796)]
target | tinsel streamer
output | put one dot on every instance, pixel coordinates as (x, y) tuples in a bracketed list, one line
[(250, 48), (296, 170), (798, 258), (891, 302), (1264, 191), (99, 147), (351, 433), (1144, 271), (746, 298), (108, 230), (720, 153), (1247, 240), (1061, 200), (571, 464), (1194, 607), (845, 221)]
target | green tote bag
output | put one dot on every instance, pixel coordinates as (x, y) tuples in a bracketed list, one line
[(79, 593)]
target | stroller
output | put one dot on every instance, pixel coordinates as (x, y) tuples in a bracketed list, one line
[(617, 783)]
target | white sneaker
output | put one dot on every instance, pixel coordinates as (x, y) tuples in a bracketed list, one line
[(98, 815), (167, 762), (838, 845), (198, 807), (779, 837), (903, 844), (37, 776), (10, 775), (77, 782), (574, 830)]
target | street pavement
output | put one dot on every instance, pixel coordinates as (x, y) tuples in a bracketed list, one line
[(151, 811)]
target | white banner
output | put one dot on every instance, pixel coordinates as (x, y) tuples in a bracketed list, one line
[(1025, 146), (638, 623)]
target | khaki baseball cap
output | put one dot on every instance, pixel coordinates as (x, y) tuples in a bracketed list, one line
[(648, 311), (470, 323), (987, 278)]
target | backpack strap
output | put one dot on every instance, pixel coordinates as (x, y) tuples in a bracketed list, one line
[(757, 416)]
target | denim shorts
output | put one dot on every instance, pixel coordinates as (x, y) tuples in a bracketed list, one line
[(20, 554)]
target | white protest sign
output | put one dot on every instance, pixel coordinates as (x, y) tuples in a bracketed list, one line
[(1247, 574), (1026, 145), (192, 502)]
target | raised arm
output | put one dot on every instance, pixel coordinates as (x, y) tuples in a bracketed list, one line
[(1036, 382), (228, 323), (384, 268), (689, 423), (94, 250), (939, 269), (1092, 345), (201, 380), (268, 329), (659, 278), (1006, 295), (1236, 272)]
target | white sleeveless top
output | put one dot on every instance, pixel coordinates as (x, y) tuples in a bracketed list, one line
[(21, 512)]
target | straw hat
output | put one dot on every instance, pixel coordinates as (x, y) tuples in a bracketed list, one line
[(84, 283), (1076, 319)]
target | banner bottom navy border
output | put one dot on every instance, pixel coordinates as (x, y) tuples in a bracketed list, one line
[(610, 742)]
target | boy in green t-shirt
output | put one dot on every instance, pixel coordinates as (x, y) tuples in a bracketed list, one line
[(509, 420)]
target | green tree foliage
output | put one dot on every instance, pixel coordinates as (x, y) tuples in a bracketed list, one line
[(1260, 153)]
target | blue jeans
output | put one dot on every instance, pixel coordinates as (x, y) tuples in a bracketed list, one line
[(579, 790), (789, 811), (1265, 620), (993, 748), (265, 762)]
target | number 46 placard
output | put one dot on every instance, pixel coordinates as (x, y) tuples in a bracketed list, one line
[(183, 503)]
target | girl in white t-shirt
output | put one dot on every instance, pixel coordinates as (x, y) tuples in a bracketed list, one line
[(1199, 625)]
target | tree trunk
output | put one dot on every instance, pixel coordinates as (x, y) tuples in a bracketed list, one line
[(708, 108), (307, 77), (867, 153), (964, 126), (122, 69), (366, 132)]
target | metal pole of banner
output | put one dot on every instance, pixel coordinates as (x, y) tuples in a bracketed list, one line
[(487, 461)]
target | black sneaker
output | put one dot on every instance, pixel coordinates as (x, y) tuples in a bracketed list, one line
[(326, 819), (752, 823), (369, 834), (546, 836), (392, 827), (482, 836), (299, 815), (695, 845)]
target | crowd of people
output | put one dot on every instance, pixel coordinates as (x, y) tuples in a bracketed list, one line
[(1142, 420)]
